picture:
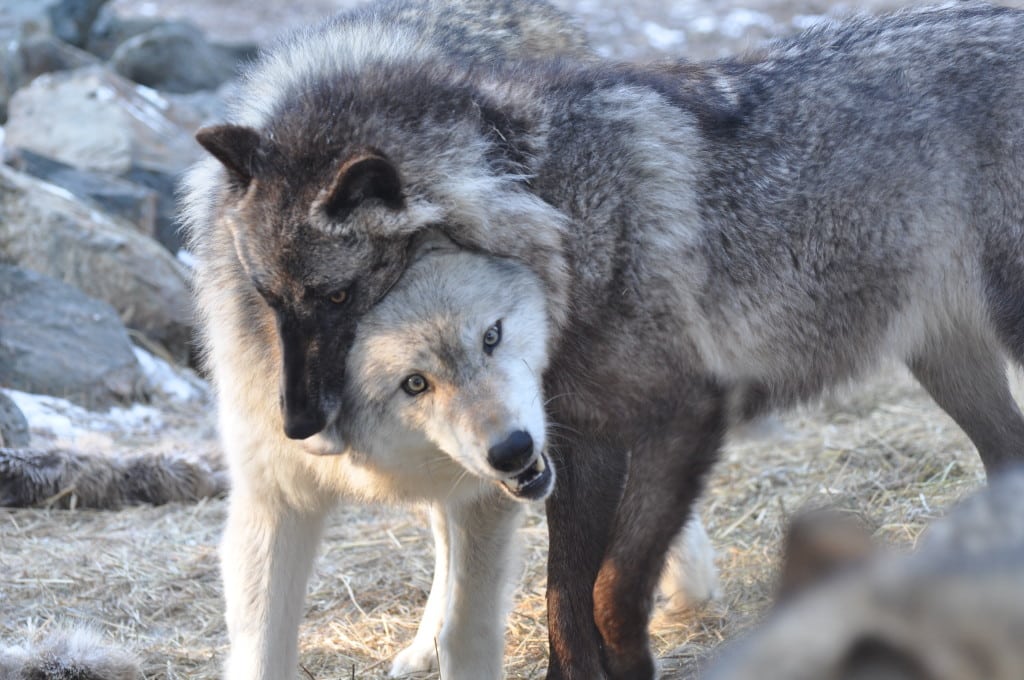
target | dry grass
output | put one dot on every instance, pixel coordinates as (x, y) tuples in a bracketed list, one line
[(148, 576)]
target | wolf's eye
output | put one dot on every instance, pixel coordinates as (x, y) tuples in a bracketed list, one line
[(492, 336), (339, 297), (414, 384)]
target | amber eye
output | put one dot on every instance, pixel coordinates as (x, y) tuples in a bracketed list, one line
[(339, 297), (415, 384), (492, 336)]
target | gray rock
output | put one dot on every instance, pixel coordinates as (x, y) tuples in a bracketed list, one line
[(56, 340), (42, 227), (134, 203), (111, 29), (72, 19), (69, 20), (39, 54), (175, 57), (22, 58), (92, 118), (163, 187), (13, 426)]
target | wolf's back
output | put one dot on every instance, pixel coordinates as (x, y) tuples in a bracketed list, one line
[(406, 31)]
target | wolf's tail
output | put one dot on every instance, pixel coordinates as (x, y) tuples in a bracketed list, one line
[(69, 654), (64, 478)]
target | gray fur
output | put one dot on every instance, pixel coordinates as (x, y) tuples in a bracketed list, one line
[(709, 236), (954, 610), (65, 478), (69, 654)]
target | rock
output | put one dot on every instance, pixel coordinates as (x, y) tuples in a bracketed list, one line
[(69, 20), (58, 341), (164, 187), (175, 57), (13, 426), (111, 29), (43, 228), (24, 58), (115, 196), (92, 118), (41, 54)]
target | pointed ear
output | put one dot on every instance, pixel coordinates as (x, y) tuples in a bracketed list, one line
[(364, 175), (233, 145)]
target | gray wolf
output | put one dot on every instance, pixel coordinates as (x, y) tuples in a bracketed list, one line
[(953, 610), (713, 239), (68, 654)]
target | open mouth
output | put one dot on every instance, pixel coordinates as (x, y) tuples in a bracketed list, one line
[(533, 483)]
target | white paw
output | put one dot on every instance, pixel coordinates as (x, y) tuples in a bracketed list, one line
[(419, 657), (690, 577)]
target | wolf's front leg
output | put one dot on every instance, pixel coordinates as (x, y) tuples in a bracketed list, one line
[(421, 655), (581, 510), (666, 474), (483, 558), (266, 557)]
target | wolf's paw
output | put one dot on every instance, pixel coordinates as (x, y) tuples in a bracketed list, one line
[(690, 577), (419, 657)]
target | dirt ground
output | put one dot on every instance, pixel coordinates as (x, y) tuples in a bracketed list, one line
[(148, 576)]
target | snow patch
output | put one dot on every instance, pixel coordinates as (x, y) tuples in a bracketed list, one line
[(71, 423), (663, 38), (178, 384)]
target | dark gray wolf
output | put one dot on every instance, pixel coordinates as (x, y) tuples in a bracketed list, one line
[(954, 610), (740, 233)]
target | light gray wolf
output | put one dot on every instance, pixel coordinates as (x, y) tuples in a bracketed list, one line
[(264, 346), (953, 610), (712, 239), (73, 653), (266, 328)]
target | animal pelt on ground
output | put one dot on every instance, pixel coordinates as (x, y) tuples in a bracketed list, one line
[(65, 478), (953, 610), (713, 239), (68, 654)]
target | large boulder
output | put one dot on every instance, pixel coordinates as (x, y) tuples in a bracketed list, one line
[(94, 119), (43, 228), (56, 340)]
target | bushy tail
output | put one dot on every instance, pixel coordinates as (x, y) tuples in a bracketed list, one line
[(69, 654), (63, 478)]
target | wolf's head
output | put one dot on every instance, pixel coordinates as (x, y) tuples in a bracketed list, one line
[(317, 277), (321, 209), (452, 359)]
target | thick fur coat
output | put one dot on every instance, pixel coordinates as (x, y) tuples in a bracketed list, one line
[(741, 233)]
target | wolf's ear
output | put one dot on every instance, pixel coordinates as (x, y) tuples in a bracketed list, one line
[(364, 175), (233, 145)]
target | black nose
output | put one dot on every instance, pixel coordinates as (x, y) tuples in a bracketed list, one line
[(303, 424), (513, 454)]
